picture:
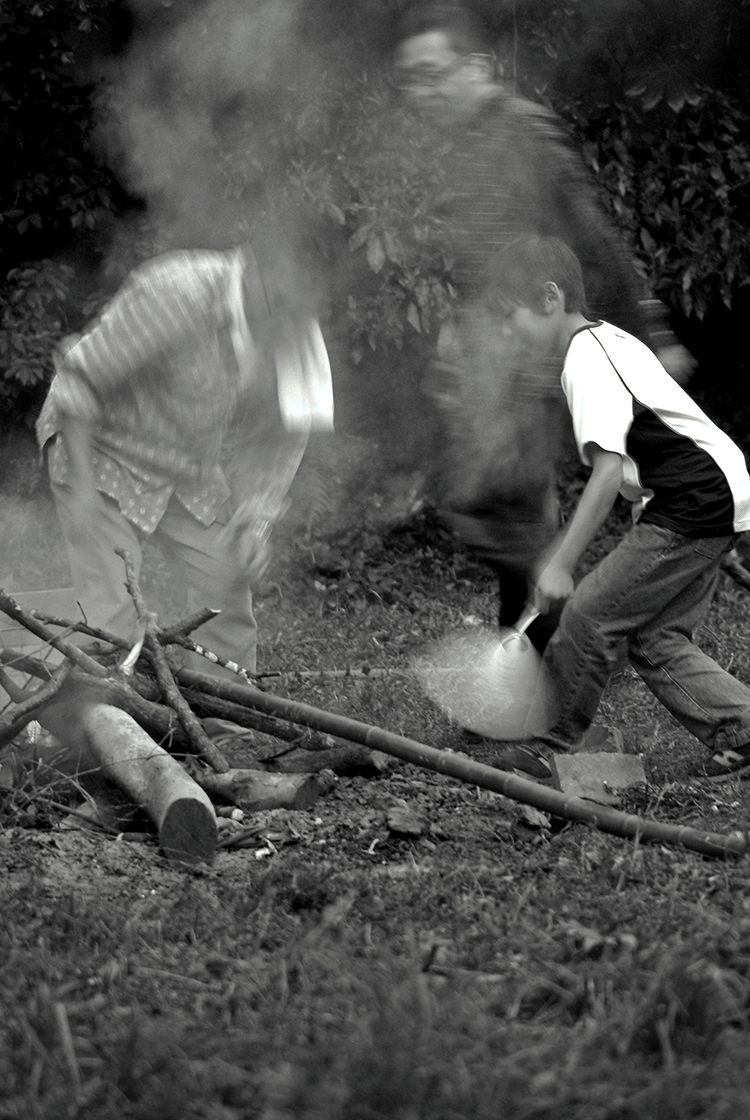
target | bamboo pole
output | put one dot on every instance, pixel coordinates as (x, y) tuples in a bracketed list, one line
[(602, 817)]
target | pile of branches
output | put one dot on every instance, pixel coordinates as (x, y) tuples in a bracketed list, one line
[(119, 709), (145, 681), (141, 692)]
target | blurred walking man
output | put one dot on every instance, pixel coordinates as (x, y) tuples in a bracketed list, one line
[(509, 171)]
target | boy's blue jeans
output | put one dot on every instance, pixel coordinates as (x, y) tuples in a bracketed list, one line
[(647, 595)]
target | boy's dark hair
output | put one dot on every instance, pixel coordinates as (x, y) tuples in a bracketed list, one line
[(518, 273), (460, 23)]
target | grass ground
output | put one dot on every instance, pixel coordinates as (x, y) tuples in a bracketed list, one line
[(492, 963)]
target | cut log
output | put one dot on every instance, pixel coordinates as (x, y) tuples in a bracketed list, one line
[(106, 738), (252, 790), (346, 761)]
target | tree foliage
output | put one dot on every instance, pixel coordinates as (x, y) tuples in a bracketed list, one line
[(51, 182), (657, 94), (676, 177)]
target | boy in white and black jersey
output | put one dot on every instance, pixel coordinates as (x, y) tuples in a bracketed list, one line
[(643, 437)]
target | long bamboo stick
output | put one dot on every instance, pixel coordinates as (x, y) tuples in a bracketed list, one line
[(602, 817)]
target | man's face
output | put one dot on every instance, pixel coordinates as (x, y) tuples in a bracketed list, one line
[(435, 79)]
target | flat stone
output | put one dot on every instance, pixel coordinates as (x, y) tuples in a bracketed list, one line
[(596, 777)]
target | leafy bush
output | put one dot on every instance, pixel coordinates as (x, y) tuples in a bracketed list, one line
[(387, 172), (51, 182), (676, 176), (34, 315)]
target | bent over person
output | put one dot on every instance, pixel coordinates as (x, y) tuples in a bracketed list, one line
[(643, 437), (134, 426)]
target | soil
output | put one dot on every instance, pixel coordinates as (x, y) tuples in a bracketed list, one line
[(409, 947)]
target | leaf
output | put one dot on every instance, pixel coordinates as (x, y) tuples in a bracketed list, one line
[(534, 818), (405, 820), (375, 253), (412, 316), (358, 238), (392, 246), (647, 241)]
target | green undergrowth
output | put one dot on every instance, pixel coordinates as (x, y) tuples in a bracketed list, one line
[(489, 964)]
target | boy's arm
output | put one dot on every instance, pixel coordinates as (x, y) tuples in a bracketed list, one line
[(555, 580)]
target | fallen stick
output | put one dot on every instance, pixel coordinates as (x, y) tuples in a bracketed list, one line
[(602, 817), (190, 722), (363, 674), (29, 704), (252, 790), (182, 629), (257, 721), (109, 739), (34, 626)]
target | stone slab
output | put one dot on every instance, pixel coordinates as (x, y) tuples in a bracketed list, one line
[(596, 777)]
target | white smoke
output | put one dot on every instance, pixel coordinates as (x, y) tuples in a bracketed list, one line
[(192, 108)]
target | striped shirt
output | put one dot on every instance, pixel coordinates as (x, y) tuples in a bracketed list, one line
[(679, 469), (159, 375)]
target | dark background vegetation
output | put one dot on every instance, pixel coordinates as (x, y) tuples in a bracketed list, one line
[(128, 127)]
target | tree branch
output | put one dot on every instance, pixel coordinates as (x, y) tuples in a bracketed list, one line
[(34, 626), (172, 695), (12, 725)]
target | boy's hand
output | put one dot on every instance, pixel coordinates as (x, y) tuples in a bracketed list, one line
[(554, 584)]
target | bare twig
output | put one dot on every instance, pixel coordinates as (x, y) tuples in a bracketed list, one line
[(24, 663), (362, 674), (16, 693), (82, 628), (190, 722), (172, 635), (182, 629), (11, 725), (257, 721), (34, 626)]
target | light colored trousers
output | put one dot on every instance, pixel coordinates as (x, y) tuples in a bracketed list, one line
[(648, 595), (207, 571)]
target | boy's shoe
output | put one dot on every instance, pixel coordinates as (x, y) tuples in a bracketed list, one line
[(726, 764), (525, 760)]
